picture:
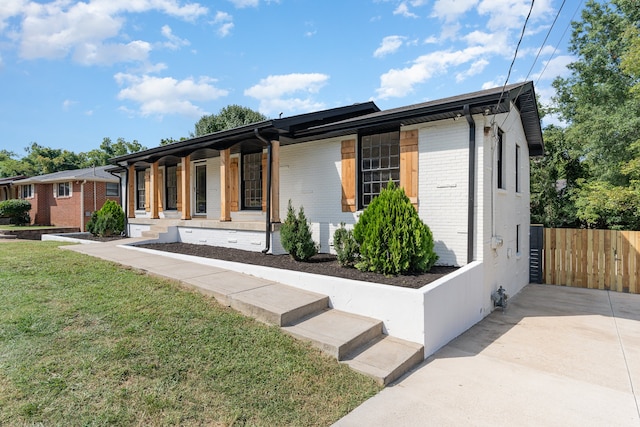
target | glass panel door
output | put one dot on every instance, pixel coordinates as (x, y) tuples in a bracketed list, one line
[(201, 189)]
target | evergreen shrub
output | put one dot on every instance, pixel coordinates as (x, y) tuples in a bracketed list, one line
[(295, 235), (108, 221), (346, 247), (17, 210), (392, 237)]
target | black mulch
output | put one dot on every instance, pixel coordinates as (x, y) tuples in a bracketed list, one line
[(325, 264)]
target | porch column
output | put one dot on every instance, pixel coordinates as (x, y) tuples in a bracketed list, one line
[(131, 192), (185, 183), (153, 197), (275, 181), (225, 185)]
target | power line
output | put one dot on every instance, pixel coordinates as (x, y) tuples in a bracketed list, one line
[(515, 55)]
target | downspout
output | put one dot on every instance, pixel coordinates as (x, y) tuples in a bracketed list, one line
[(268, 219), (472, 184), (82, 205)]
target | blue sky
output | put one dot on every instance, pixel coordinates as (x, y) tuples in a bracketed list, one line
[(72, 73)]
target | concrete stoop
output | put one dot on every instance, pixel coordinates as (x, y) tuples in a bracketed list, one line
[(155, 231), (352, 339)]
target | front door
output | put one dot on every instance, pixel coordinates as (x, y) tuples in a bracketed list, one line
[(201, 189)]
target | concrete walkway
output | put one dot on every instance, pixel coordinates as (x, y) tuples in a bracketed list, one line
[(557, 357)]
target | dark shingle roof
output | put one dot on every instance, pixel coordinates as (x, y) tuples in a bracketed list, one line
[(98, 174)]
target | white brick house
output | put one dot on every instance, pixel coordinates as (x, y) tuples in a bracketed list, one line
[(463, 161)]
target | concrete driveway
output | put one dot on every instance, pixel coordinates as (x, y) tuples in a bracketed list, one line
[(557, 357)]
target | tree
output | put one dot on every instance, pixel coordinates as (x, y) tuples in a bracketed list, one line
[(109, 150), (44, 160), (10, 165), (229, 117), (600, 104)]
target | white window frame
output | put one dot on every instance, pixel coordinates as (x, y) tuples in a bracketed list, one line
[(30, 191), (66, 188)]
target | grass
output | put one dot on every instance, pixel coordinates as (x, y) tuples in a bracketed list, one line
[(25, 227), (87, 342)]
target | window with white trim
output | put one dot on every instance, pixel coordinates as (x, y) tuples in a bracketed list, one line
[(63, 189), (26, 191), (171, 183), (140, 189)]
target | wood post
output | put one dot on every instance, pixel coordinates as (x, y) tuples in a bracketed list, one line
[(131, 190), (185, 187), (153, 197), (225, 185)]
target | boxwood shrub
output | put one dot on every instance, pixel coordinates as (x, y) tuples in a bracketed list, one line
[(17, 210)]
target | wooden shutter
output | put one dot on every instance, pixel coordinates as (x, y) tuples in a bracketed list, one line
[(349, 175), (409, 164), (233, 184)]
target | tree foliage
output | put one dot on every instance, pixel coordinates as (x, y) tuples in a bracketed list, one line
[(589, 176), (229, 117), (391, 236)]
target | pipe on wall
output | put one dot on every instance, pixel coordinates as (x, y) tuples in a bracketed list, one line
[(472, 184), (268, 195)]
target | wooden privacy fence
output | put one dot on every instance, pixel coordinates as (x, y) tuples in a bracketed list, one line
[(595, 259)]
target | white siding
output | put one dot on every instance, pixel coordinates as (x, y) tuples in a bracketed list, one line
[(503, 265), (310, 175), (443, 176)]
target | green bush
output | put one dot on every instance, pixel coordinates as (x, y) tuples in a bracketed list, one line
[(392, 237), (346, 247), (108, 221), (17, 210), (295, 235)]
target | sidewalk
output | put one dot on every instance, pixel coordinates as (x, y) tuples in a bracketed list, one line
[(557, 357)]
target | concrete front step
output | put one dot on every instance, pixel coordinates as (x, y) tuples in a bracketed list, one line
[(335, 332), (386, 359), (277, 304)]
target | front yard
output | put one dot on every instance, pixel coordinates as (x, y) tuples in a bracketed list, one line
[(86, 342)]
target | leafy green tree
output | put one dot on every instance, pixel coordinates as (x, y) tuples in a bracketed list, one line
[(109, 150), (44, 160), (229, 117), (10, 165)]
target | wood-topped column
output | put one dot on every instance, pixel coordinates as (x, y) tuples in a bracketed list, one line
[(225, 185), (153, 197), (185, 187)]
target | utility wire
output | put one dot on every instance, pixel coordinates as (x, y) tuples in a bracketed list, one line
[(515, 55)]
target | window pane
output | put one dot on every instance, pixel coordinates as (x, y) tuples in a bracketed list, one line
[(380, 160)]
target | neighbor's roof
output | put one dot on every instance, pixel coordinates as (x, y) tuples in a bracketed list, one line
[(357, 118), (11, 179), (97, 173)]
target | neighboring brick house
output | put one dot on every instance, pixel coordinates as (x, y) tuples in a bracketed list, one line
[(68, 198), (8, 189)]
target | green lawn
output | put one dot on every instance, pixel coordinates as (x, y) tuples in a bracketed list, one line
[(86, 342), (24, 227)]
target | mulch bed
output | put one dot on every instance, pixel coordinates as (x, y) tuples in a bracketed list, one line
[(324, 264)]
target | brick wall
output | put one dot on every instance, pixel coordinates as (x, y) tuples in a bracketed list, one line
[(65, 211)]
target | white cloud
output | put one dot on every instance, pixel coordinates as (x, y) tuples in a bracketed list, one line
[(67, 104), (173, 42), (403, 10), (510, 14), (225, 22), (159, 96), (449, 11), (87, 30), (275, 93), (476, 68), (556, 67), (9, 9), (389, 44), (240, 4), (401, 82)]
